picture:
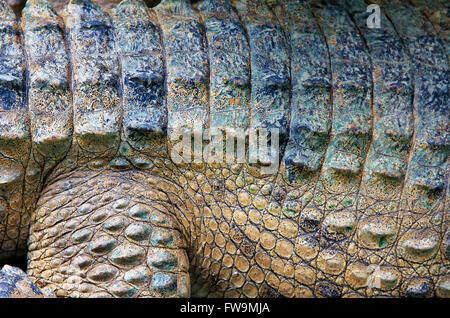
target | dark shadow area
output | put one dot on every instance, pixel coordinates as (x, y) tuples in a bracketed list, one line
[(16, 262)]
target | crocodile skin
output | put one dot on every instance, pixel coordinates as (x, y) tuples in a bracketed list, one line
[(93, 97)]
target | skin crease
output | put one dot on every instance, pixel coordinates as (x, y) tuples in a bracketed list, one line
[(357, 208)]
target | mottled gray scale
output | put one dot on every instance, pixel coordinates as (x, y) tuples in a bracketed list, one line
[(162, 259), (311, 88), (163, 284), (229, 59), (95, 76), (138, 45), (127, 254), (49, 97), (393, 92), (14, 132), (186, 65), (431, 103), (270, 73), (352, 113), (137, 232)]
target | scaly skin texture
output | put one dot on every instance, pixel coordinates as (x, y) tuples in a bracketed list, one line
[(92, 98)]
